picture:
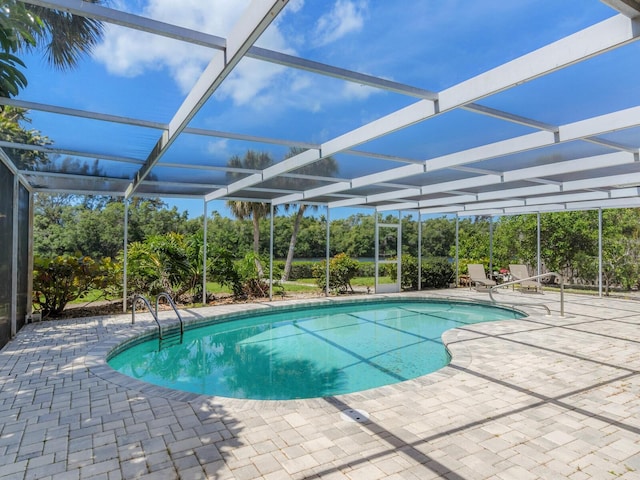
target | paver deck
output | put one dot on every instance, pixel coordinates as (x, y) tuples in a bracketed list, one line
[(541, 397)]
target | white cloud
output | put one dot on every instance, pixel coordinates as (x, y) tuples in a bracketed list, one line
[(249, 78), (130, 53), (253, 84), (295, 5), (219, 147), (347, 16)]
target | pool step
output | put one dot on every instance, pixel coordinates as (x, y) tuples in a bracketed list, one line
[(172, 336)]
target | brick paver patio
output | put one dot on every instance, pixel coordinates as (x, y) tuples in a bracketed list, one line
[(540, 397)]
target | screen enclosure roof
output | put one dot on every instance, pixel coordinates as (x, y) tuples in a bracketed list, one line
[(485, 108)]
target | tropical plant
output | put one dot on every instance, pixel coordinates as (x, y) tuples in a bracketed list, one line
[(221, 269), (64, 37), (12, 129), (164, 263), (18, 28), (63, 279), (255, 210), (253, 283)]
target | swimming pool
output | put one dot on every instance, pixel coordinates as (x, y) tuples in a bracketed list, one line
[(307, 352)]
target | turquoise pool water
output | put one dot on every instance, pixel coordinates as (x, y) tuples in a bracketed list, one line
[(304, 353)]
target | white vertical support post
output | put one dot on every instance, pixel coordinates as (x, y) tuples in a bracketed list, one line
[(538, 259), (399, 253), (14, 259), (30, 257), (600, 252), (376, 252), (491, 246), (125, 252), (326, 286), (204, 254), (457, 250), (419, 251), (271, 253)]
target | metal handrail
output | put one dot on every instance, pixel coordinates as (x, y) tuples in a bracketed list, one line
[(135, 300), (154, 314), (166, 296), (535, 277)]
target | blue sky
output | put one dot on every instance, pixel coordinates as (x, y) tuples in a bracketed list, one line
[(431, 44)]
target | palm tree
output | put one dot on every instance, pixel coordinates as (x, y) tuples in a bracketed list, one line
[(256, 210), (16, 31), (327, 167), (64, 37)]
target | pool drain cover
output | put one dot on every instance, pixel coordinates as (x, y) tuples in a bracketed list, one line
[(353, 415)]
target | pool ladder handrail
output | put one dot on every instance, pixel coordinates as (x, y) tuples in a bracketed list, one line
[(535, 277), (154, 314)]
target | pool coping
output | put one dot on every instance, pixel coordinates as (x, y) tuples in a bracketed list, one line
[(96, 358)]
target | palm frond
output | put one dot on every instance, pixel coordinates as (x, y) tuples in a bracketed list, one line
[(67, 38)]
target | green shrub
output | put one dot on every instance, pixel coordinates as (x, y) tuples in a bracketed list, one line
[(63, 279), (366, 269), (437, 273), (409, 272), (163, 263), (221, 269), (342, 269), (253, 284), (301, 270)]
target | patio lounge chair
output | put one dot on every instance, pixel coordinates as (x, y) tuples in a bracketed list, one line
[(519, 271), (477, 277)]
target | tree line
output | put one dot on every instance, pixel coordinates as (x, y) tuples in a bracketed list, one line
[(569, 240)]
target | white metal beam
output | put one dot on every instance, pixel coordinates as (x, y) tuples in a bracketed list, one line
[(394, 195), (434, 202), (630, 8), (535, 209), (600, 182), (602, 124), (64, 151), (347, 202), (327, 189), (610, 203), (518, 192), (255, 20), (136, 22), (591, 41), (627, 118), (568, 166), (386, 175), (567, 198), (492, 205), (118, 17), (74, 112), (461, 184), (398, 206)]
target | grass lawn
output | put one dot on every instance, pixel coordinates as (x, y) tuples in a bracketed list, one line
[(294, 286), (92, 296)]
